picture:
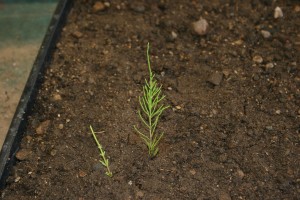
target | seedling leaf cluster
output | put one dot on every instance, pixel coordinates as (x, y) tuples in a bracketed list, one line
[(151, 111)]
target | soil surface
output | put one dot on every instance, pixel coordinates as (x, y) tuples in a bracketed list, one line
[(232, 131)]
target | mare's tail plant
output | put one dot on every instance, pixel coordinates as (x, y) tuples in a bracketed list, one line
[(151, 111), (104, 160)]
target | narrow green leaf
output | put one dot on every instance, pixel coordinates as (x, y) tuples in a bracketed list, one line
[(157, 141), (103, 163), (141, 134), (143, 120)]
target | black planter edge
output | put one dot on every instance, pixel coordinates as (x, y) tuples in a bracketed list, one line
[(24, 108)]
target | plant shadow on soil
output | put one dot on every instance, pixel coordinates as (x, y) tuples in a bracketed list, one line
[(237, 138)]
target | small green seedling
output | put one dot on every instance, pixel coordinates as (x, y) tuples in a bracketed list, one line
[(104, 160), (151, 111)]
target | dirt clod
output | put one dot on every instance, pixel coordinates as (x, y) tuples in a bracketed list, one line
[(77, 34), (193, 172), (224, 196), (23, 154), (216, 78), (82, 173), (240, 173), (42, 128), (57, 97), (139, 194), (98, 6)]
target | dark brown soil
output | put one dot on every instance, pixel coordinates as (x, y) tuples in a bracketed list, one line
[(232, 131)]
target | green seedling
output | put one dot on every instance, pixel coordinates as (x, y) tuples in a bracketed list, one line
[(104, 160), (151, 111)]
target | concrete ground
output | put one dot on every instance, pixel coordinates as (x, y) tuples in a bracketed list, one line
[(23, 24)]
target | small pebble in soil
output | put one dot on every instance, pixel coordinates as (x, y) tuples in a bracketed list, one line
[(278, 112), (17, 179), (82, 173), (60, 126), (107, 4), (139, 194), (240, 173), (238, 42), (178, 107), (265, 34), (129, 182), (269, 66), (98, 6), (23, 154), (215, 78), (174, 35), (77, 34), (57, 97), (257, 59), (214, 112), (53, 152), (138, 7), (193, 172), (226, 72), (224, 196), (294, 63), (200, 26), (278, 13), (269, 128)]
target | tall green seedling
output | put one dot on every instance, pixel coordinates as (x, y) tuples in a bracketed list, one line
[(150, 112)]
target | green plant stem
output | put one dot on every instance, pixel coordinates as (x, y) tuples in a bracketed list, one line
[(105, 161)]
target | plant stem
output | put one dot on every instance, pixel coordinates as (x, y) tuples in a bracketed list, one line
[(148, 61), (105, 161)]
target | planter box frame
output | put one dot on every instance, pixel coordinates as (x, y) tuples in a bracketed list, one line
[(24, 108)]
